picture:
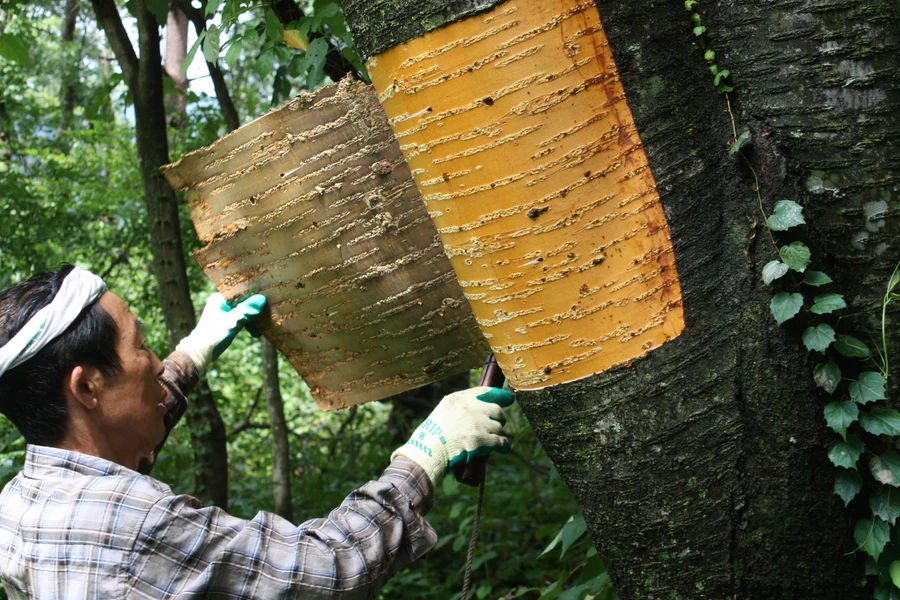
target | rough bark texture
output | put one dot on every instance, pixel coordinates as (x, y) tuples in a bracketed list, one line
[(701, 468), (281, 450), (145, 83), (313, 205)]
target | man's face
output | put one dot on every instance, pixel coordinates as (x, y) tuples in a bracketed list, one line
[(130, 403)]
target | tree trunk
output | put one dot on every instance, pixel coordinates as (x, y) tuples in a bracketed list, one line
[(70, 70), (144, 80), (176, 52), (281, 450), (701, 467)]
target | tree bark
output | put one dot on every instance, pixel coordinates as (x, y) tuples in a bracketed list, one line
[(144, 80), (70, 70), (281, 450), (176, 52), (701, 468)]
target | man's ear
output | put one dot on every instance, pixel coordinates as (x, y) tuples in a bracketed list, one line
[(83, 385)]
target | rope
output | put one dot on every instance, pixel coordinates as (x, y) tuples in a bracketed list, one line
[(467, 581)]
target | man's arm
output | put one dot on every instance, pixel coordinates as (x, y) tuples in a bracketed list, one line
[(179, 378), (183, 549)]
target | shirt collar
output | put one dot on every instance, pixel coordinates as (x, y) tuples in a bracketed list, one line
[(45, 462)]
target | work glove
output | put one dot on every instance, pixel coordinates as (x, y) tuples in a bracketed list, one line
[(218, 326), (463, 426)]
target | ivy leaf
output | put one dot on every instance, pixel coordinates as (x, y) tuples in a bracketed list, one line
[(840, 415), (869, 388), (784, 306), (816, 278), (872, 536), (886, 591), (894, 572), (773, 270), (796, 256), (886, 468), (851, 347), (741, 139), (828, 303), (572, 531), (787, 214), (881, 420), (885, 503), (847, 485), (14, 49), (845, 453), (827, 376), (818, 338)]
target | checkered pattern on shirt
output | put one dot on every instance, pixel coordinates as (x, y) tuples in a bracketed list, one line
[(78, 526)]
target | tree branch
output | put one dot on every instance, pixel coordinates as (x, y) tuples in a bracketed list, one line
[(111, 23), (246, 424), (229, 112)]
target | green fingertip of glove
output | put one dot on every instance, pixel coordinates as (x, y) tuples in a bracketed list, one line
[(497, 396), (467, 457), (250, 307)]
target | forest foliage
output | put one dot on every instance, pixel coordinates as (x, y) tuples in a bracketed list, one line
[(70, 192)]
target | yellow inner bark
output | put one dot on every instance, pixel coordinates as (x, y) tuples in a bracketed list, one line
[(516, 128)]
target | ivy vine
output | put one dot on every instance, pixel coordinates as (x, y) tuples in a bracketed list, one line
[(860, 414)]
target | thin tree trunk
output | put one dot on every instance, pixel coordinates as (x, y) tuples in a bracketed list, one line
[(281, 450), (701, 468), (144, 80), (176, 51), (70, 70)]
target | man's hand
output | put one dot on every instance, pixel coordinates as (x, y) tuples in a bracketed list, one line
[(218, 326), (463, 426)]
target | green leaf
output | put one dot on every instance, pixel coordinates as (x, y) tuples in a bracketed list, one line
[(273, 25), (315, 58), (886, 468), (847, 485), (828, 303), (872, 536), (818, 338), (698, 31), (894, 571), (796, 256), (14, 49), (827, 376), (212, 7), (192, 52), (159, 9), (773, 270), (266, 61), (868, 388), (840, 415), (845, 453), (851, 347), (211, 46), (881, 420), (816, 278), (885, 503), (787, 214), (736, 146), (234, 53), (886, 591), (571, 533), (784, 306)]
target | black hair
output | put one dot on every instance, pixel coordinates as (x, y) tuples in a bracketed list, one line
[(31, 394)]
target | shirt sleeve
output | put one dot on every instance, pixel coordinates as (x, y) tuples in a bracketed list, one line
[(184, 550), (179, 378)]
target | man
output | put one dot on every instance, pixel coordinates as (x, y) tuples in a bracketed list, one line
[(95, 405)]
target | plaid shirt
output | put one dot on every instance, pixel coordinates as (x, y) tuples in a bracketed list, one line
[(78, 526)]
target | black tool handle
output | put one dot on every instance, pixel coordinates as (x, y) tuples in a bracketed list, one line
[(472, 473)]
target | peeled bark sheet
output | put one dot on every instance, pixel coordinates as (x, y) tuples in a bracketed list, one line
[(515, 125), (313, 206)]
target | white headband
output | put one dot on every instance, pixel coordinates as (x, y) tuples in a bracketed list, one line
[(78, 290)]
